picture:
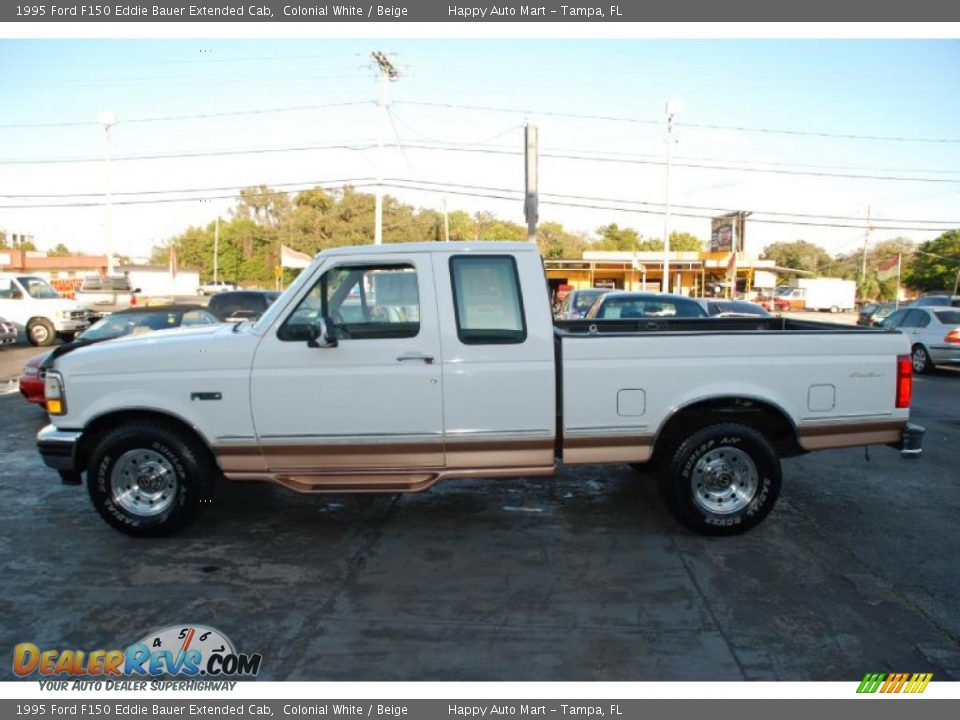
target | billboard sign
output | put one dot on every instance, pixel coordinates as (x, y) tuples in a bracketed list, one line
[(726, 233)]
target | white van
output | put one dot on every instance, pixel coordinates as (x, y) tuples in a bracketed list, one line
[(32, 305)]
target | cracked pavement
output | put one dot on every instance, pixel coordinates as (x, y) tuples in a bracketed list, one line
[(578, 577)]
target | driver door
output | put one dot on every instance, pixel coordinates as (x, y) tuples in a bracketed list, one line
[(372, 402)]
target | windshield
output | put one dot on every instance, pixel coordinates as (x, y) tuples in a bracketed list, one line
[(38, 288), (584, 299)]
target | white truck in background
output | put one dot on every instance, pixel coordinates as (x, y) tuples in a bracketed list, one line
[(819, 294), (390, 368), (33, 306)]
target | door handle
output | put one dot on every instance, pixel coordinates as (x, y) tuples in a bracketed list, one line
[(428, 359)]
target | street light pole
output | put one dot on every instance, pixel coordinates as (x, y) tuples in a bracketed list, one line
[(387, 73), (108, 120), (671, 111)]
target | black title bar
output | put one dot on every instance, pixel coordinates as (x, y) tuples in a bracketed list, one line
[(503, 11)]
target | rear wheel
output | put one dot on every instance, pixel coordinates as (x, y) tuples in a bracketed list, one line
[(40, 332), (148, 480), (722, 480), (920, 359), (834, 309)]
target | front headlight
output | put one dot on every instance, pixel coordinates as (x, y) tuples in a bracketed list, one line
[(54, 394), (63, 314)]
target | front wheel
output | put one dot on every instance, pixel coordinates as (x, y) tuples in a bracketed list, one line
[(920, 359), (40, 332), (148, 480), (722, 480)]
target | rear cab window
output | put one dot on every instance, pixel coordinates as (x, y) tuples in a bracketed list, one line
[(487, 301)]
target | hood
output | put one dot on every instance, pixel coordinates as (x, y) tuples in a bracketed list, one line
[(55, 304), (203, 348)]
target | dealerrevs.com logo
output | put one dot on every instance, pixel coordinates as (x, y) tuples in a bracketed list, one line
[(911, 683), (178, 650)]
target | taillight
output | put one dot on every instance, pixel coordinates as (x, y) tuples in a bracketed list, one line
[(133, 301), (953, 336), (904, 381)]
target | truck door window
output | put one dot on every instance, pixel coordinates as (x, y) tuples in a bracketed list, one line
[(362, 302), (487, 300)]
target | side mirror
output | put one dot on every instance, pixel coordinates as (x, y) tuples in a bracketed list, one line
[(323, 337)]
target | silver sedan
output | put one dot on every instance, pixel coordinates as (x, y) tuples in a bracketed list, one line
[(934, 334)]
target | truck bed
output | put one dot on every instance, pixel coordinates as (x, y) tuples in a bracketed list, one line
[(621, 381)]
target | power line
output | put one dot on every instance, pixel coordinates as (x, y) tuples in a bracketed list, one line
[(507, 194), (704, 126), (195, 116), (471, 149)]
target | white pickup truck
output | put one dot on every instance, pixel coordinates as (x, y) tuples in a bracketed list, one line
[(387, 369)]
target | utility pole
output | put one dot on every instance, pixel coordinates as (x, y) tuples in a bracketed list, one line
[(216, 249), (108, 120), (671, 110), (896, 300), (387, 73), (863, 261), (531, 204)]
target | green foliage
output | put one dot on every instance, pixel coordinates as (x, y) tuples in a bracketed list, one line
[(60, 250), (685, 242), (936, 264), (798, 255)]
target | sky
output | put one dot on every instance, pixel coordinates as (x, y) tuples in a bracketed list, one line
[(869, 123)]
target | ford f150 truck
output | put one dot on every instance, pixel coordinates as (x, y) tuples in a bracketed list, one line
[(387, 369)]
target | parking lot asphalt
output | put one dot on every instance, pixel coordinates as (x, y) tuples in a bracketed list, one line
[(582, 576)]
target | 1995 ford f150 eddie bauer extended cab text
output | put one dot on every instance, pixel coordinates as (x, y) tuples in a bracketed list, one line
[(386, 369)]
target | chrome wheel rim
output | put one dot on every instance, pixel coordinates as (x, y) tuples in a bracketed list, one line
[(919, 360), (143, 482), (39, 333), (724, 481)]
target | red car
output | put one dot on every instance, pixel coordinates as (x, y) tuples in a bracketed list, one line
[(125, 322), (773, 304)]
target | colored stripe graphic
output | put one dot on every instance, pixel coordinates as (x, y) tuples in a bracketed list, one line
[(894, 683)]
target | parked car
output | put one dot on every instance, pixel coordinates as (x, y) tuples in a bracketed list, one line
[(773, 304), (874, 313), (455, 368), (943, 300), (934, 334), (214, 287), (8, 332), (241, 305), (32, 305), (133, 321), (623, 305), (733, 308), (577, 303), (105, 295)]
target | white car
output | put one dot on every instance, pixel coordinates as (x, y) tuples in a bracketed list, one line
[(215, 287), (934, 334), (32, 305)]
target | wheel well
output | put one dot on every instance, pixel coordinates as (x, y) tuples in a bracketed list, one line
[(763, 417), (98, 426)]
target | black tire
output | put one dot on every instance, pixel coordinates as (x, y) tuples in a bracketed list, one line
[(40, 332), (189, 471), (920, 359), (727, 453)]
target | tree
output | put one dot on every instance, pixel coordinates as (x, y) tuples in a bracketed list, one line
[(798, 255), (263, 205), (617, 239), (555, 243), (936, 264), (685, 242), (60, 250)]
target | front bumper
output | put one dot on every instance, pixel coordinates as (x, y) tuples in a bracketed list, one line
[(70, 326), (58, 448), (911, 442)]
